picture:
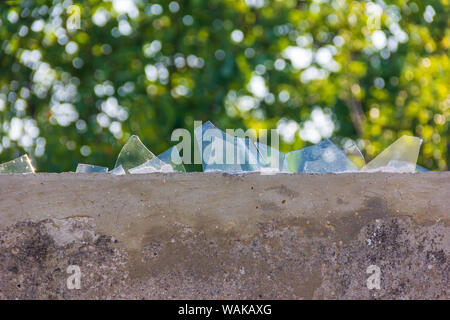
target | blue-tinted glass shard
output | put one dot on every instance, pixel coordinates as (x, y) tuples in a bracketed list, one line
[(18, 165), (224, 152), (322, 157), (270, 159), (172, 157), (421, 169), (88, 168)]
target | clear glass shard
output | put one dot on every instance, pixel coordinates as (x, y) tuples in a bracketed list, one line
[(322, 157), (353, 153), (118, 171), (89, 168), (400, 156), (168, 161), (395, 166), (18, 165), (401, 166), (133, 154), (154, 165)]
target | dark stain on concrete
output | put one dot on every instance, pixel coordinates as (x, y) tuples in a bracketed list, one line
[(284, 191), (269, 206), (349, 225)]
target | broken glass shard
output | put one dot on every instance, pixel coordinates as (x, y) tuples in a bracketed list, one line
[(401, 166), (400, 156), (270, 160), (154, 165), (353, 153), (225, 152), (89, 168), (421, 169), (18, 165), (395, 166), (172, 157), (210, 142), (168, 161), (134, 153), (118, 171), (322, 157)]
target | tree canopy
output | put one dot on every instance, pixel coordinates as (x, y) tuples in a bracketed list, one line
[(361, 70)]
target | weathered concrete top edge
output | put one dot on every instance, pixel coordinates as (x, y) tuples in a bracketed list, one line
[(130, 207), (218, 173), (44, 192)]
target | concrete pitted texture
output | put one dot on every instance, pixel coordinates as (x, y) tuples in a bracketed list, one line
[(219, 236)]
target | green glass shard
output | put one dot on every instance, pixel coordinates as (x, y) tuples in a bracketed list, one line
[(133, 154), (400, 156), (89, 168), (18, 165)]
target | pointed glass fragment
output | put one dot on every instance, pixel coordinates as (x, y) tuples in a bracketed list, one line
[(118, 171), (18, 165), (353, 153), (322, 157), (133, 154), (224, 152), (88, 168), (400, 156)]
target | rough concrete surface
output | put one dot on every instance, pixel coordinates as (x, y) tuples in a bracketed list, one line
[(219, 236)]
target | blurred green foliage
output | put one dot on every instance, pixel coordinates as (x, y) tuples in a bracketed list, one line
[(368, 71)]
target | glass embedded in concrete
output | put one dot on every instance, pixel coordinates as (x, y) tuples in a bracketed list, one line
[(18, 165), (89, 168), (118, 171)]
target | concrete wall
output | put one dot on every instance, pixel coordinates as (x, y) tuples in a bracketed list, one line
[(198, 235)]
